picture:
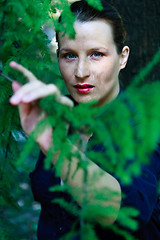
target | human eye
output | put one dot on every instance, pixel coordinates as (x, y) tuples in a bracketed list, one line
[(96, 54), (69, 56)]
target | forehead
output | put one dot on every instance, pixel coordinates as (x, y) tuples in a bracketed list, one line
[(91, 33)]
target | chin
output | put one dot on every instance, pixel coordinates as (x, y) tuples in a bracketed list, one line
[(84, 99)]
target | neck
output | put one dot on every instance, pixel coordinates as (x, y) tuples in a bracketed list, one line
[(110, 97)]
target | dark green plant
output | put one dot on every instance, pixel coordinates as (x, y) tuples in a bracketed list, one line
[(22, 39)]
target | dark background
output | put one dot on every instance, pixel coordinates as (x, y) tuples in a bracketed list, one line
[(142, 23)]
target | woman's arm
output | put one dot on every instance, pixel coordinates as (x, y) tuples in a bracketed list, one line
[(99, 183)]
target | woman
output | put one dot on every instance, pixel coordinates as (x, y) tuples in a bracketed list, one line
[(90, 65)]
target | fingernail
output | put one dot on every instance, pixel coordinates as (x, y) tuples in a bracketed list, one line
[(13, 64)]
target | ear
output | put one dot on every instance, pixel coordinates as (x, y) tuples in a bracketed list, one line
[(124, 57)]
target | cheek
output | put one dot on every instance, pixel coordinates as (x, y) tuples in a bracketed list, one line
[(61, 68), (64, 70), (108, 72), (103, 74)]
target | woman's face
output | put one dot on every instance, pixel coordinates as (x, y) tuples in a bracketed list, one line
[(90, 64)]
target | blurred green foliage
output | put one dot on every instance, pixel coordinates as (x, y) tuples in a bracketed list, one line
[(23, 39)]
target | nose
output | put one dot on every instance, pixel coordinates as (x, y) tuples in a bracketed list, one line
[(82, 70)]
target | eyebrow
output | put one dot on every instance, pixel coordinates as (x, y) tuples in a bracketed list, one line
[(99, 49), (92, 49), (66, 49)]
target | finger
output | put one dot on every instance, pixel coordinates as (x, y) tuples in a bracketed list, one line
[(30, 115), (28, 74), (16, 86), (65, 101), (24, 110), (41, 92), (44, 91), (34, 91), (24, 90)]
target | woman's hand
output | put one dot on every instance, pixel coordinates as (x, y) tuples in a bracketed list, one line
[(27, 96)]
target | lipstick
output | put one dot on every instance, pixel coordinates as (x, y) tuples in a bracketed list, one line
[(83, 88)]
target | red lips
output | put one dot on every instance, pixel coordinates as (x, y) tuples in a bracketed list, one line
[(83, 88)]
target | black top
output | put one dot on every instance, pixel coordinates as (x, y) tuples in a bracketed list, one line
[(54, 221)]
